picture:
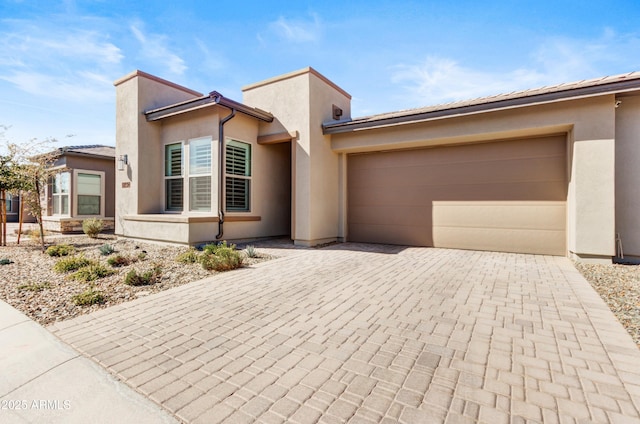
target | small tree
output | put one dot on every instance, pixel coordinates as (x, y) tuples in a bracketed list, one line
[(10, 182), (30, 165)]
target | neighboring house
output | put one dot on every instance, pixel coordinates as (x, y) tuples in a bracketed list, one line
[(13, 207), (546, 171), (82, 188)]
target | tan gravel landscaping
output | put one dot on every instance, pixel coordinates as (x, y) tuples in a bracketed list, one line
[(31, 285), (619, 287)]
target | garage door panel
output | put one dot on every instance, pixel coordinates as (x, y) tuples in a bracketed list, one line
[(392, 234), (500, 215), (506, 196), (420, 216), (521, 170), (527, 149), (426, 194), (540, 242)]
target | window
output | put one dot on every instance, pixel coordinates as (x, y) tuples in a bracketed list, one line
[(238, 176), (8, 200), (89, 194), (200, 174), (173, 177), (60, 193)]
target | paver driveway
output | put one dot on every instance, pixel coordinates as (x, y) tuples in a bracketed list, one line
[(366, 333)]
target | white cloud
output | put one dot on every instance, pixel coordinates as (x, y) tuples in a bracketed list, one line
[(54, 61), (439, 80), (80, 86), (556, 60), (210, 60), (154, 48), (296, 30)]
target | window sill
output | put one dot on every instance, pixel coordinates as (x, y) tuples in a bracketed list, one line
[(185, 219)]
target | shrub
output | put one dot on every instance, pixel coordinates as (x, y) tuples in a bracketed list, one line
[(59, 250), (90, 296), (92, 227), (91, 273), (189, 257), (72, 263), (118, 260), (106, 249), (149, 277), (5, 261), (35, 287), (34, 234), (251, 251), (221, 258), (214, 247)]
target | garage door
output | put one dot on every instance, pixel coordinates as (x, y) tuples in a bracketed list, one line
[(505, 196)]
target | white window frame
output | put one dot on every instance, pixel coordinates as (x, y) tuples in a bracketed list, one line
[(74, 191), (186, 176), (56, 197), (192, 175), (245, 177)]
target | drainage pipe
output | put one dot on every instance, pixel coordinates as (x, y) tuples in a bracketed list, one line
[(221, 170)]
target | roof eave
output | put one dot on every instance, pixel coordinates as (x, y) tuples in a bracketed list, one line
[(419, 116), (214, 98), (93, 155)]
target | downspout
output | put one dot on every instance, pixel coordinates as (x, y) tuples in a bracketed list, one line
[(220, 167)]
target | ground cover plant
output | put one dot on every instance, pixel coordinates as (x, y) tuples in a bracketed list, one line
[(91, 273), (59, 250), (106, 249), (145, 278), (72, 263), (90, 296), (119, 260)]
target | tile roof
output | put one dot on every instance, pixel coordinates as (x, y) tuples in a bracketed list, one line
[(516, 98), (92, 149)]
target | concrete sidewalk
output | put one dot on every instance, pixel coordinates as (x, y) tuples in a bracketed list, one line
[(44, 380)]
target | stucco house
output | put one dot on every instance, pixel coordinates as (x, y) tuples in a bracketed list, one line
[(546, 171), (12, 202), (82, 186)]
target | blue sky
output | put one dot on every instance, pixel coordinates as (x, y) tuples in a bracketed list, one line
[(58, 59)]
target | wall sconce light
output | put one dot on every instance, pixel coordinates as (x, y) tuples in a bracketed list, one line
[(122, 161)]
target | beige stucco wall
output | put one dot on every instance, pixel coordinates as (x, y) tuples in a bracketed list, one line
[(141, 206), (301, 101), (589, 125), (628, 174), (140, 140)]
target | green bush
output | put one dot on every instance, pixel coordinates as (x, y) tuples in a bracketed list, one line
[(149, 277), (34, 287), (91, 273), (92, 227), (59, 250), (214, 247), (118, 260), (5, 261), (91, 296), (189, 257), (220, 257), (106, 249), (72, 263)]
